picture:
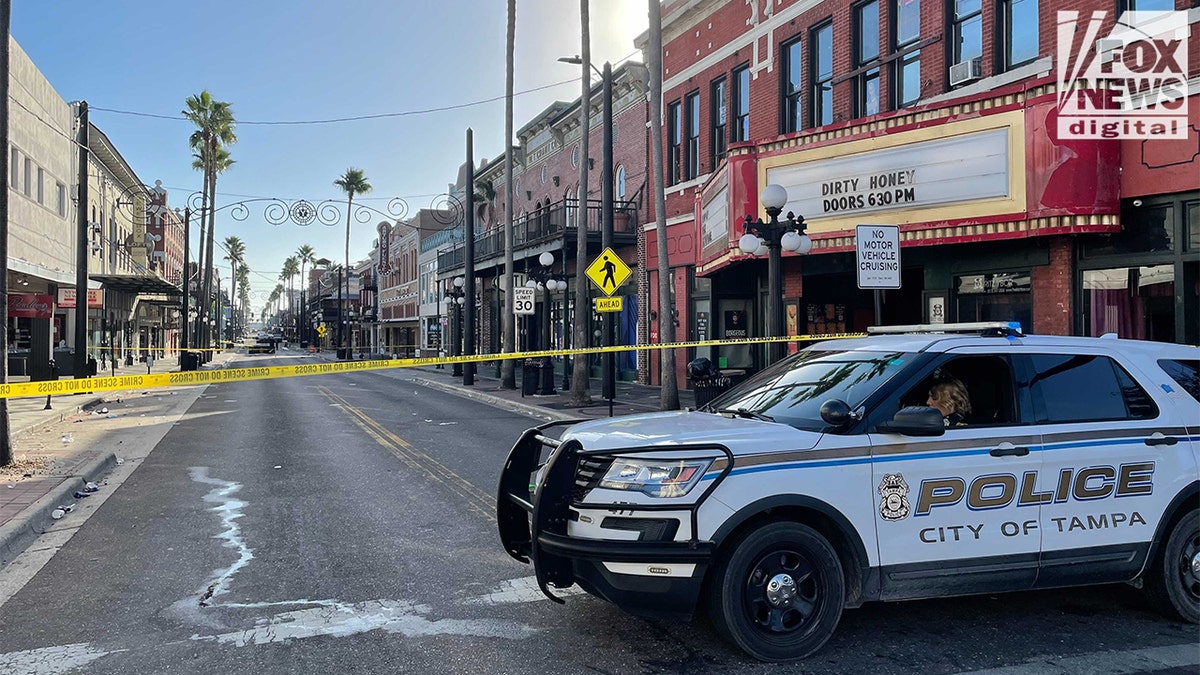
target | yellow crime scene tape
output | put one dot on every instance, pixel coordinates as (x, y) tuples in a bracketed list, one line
[(220, 375)]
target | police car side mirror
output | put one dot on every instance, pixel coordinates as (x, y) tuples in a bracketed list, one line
[(917, 420), (836, 413)]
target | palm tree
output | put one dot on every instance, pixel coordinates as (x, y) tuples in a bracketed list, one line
[(353, 182), (235, 253), (485, 198), (307, 256), (579, 374), (669, 392), (243, 278), (214, 130), (508, 376), (291, 267), (271, 299)]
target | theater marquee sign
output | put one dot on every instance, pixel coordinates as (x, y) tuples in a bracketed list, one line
[(963, 168), (967, 168)]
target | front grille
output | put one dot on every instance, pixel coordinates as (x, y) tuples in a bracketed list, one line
[(588, 473)]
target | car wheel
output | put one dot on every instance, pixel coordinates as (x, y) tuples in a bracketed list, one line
[(778, 592), (1175, 578)]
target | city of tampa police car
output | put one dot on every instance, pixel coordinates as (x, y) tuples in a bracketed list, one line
[(824, 482)]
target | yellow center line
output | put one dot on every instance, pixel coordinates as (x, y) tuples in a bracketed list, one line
[(477, 500)]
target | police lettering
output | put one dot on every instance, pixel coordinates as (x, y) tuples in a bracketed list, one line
[(935, 535), (1098, 522), (997, 491)]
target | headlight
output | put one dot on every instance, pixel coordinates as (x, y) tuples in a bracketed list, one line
[(657, 478)]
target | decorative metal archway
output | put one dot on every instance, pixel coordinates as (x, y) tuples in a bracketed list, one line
[(445, 209)]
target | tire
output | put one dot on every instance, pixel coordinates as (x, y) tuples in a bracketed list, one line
[(1174, 579), (786, 621)]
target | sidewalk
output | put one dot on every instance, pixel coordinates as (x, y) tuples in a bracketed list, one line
[(48, 469)]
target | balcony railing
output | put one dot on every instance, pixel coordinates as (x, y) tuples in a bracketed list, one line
[(549, 223)]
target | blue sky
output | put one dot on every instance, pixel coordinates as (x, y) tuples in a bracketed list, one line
[(307, 60)]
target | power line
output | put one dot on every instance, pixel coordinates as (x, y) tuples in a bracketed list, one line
[(336, 120)]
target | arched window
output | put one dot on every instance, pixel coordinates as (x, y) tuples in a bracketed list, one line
[(620, 182), (569, 206)]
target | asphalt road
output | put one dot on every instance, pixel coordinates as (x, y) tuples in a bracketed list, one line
[(343, 524)]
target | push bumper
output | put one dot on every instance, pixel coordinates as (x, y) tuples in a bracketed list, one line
[(533, 525)]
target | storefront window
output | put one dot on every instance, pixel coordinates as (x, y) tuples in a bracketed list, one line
[(1143, 282), (1003, 296), (1145, 229), (1133, 302), (1192, 225)]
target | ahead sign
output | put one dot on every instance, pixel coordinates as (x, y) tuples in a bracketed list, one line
[(523, 300), (878, 256)]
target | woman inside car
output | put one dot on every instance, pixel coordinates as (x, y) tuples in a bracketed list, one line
[(950, 397)]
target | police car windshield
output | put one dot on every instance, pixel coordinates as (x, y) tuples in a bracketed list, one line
[(792, 391)]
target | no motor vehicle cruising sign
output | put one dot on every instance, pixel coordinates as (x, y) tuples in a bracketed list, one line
[(877, 254)]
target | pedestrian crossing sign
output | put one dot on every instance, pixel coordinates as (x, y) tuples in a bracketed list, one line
[(321, 330), (608, 271)]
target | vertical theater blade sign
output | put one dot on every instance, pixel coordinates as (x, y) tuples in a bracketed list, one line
[(1131, 83), (385, 248)]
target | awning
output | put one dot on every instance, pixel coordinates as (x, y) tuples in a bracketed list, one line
[(142, 284)]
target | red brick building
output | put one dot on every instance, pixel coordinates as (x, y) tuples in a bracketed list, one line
[(940, 117), (546, 195)]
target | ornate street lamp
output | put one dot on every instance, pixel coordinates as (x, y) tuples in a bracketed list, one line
[(774, 237), (545, 281), (455, 299)]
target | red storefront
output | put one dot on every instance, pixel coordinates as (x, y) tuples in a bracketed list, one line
[(1000, 218)]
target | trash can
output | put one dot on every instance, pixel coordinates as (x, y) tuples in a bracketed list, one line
[(341, 353), (188, 361), (708, 389), (530, 372), (92, 366), (707, 381)]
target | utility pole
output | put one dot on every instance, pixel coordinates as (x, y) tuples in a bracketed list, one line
[(183, 319), (6, 456), (669, 396), (81, 248), (606, 226), (469, 251)]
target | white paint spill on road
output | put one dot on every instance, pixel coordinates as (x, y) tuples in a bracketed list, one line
[(520, 590), (230, 510), (343, 619), (51, 660)]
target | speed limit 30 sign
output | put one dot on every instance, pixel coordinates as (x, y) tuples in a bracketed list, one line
[(523, 300)]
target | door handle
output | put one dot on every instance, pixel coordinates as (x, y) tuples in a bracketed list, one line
[(1007, 449), (1157, 438)]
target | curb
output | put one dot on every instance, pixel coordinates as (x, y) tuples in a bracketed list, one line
[(23, 530), (87, 403), (499, 402)]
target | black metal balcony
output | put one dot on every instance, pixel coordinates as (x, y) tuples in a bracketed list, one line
[(555, 222)]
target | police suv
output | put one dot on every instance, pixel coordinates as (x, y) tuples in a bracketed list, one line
[(828, 480)]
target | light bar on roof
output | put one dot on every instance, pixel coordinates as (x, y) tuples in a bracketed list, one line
[(1000, 327)]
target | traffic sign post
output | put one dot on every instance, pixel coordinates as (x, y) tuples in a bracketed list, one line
[(610, 304), (523, 305), (608, 271), (523, 301), (877, 257)]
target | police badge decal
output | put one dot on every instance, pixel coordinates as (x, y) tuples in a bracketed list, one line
[(893, 493)]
